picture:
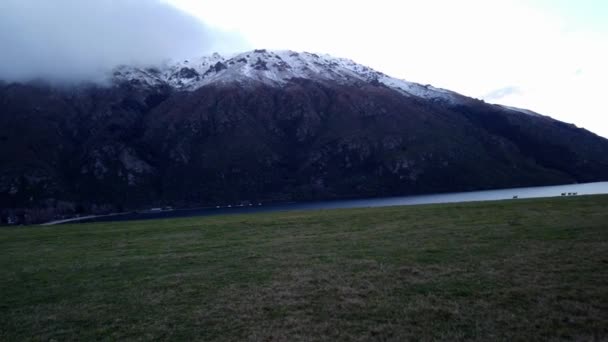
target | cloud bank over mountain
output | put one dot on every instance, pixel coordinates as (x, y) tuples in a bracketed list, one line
[(75, 40)]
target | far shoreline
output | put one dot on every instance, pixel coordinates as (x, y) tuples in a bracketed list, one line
[(567, 190)]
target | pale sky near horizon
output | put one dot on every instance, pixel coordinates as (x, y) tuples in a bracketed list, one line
[(550, 56)]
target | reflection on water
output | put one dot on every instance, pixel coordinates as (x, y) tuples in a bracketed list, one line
[(488, 195)]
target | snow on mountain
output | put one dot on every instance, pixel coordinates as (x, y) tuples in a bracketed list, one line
[(521, 110), (273, 68)]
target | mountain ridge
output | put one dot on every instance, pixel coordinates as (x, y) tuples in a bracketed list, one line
[(255, 136), (273, 67)]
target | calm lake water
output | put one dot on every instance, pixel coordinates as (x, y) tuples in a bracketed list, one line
[(487, 195)]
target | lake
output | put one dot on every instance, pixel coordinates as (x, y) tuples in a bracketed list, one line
[(486, 195)]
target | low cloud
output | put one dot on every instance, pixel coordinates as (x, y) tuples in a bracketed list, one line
[(501, 93), (82, 40)]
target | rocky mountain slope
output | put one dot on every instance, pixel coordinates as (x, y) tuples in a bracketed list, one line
[(269, 126)]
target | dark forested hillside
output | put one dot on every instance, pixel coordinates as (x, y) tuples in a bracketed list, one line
[(129, 145)]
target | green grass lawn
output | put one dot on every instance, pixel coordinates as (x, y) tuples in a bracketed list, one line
[(513, 270)]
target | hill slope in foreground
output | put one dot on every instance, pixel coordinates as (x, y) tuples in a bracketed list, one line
[(269, 126), (513, 270)]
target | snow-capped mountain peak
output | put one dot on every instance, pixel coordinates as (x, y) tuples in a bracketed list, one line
[(269, 67)]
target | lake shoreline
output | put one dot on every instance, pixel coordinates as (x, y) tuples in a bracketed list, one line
[(567, 190)]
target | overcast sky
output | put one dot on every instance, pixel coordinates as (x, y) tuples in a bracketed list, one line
[(545, 55)]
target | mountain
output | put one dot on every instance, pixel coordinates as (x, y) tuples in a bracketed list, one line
[(268, 126)]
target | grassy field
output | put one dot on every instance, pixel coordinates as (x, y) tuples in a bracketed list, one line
[(514, 270)]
